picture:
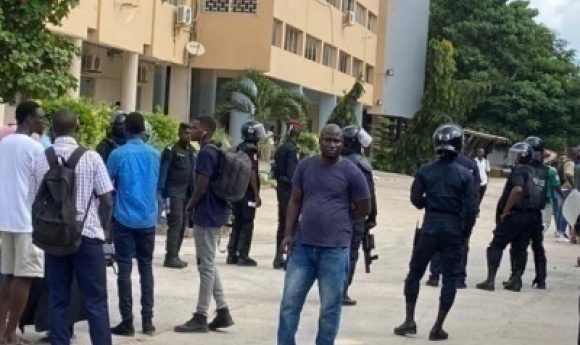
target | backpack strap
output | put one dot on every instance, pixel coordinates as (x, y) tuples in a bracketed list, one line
[(75, 157), (51, 158)]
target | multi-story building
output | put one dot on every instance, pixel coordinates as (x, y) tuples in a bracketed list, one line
[(136, 51)]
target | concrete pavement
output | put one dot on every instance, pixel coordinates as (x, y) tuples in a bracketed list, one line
[(531, 317)]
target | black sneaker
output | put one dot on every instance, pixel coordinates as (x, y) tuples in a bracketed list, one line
[(232, 259), (197, 324), (432, 282), (247, 261), (124, 329), (348, 302), (279, 263), (461, 285), (174, 262), (223, 319), (148, 328)]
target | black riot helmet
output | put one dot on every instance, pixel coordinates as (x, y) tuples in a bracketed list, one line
[(118, 128), (537, 146), (350, 139), (448, 140), (253, 131), (519, 153)]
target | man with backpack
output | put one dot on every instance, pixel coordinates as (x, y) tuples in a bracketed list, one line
[(245, 210), (176, 183), (70, 225), (134, 169), (209, 212), (21, 260)]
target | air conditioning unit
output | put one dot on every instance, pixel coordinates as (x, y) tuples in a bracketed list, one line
[(91, 63), (143, 74), (184, 15), (349, 18)]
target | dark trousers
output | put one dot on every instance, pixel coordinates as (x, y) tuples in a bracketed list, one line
[(435, 266), (88, 265), (540, 261), (176, 223), (242, 228), (358, 233), (141, 242), (437, 236), (283, 193), (482, 190)]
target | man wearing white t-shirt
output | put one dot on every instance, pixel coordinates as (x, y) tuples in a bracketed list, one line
[(484, 169), (21, 260)]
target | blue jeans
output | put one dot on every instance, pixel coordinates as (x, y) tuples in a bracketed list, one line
[(141, 242), (305, 265), (561, 223), (88, 265)]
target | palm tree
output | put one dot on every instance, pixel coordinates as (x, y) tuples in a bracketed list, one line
[(270, 102), (344, 112)]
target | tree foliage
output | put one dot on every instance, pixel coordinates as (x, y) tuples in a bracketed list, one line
[(35, 62), (534, 81), (446, 100), (271, 102), (344, 114)]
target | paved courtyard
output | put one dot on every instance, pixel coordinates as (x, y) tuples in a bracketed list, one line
[(531, 317)]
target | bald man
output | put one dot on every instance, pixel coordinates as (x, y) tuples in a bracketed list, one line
[(324, 189)]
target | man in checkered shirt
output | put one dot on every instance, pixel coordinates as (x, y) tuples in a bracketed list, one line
[(88, 263)]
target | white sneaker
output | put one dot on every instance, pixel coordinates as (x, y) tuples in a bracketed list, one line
[(560, 237)]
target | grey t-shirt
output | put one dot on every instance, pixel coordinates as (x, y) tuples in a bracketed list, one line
[(329, 193)]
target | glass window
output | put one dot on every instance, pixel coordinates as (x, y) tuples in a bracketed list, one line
[(329, 56), (277, 33), (360, 14), (293, 40), (343, 62), (372, 23)]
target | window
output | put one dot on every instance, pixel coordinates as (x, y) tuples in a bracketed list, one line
[(360, 14), (357, 68), (347, 5), (235, 6), (343, 62), (333, 2), (293, 40), (329, 56), (277, 33), (372, 23), (370, 74), (312, 49), (172, 2)]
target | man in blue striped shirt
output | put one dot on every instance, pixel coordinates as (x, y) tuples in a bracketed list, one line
[(134, 170)]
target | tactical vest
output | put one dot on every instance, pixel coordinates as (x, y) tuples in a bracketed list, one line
[(535, 188)]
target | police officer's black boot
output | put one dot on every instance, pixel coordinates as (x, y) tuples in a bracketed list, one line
[(539, 281), (493, 260), (174, 262), (520, 260), (279, 262), (437, 332), (515, 284), (223, 319), (409, 326), (513, 269), (347, 301)]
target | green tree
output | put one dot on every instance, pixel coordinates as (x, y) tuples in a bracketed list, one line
[(35, 62), (271, 102), (531, 72), (344, 112), (445, 100)]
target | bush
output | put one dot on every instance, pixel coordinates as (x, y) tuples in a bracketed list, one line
[(164, 129), (93, 117), (308, 144)]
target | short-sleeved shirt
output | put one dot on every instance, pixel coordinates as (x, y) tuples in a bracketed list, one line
[(568, 170), (517, 178), (329, 193), (553, 182), (17, 154), (134, 169), (91, 178), (211, 211)]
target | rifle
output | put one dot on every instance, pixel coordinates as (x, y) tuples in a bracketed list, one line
[(368, 247)]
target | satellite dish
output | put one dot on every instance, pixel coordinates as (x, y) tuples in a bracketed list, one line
[(195, 48)]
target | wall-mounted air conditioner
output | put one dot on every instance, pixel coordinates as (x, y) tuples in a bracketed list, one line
[(349, 18), (91, 63), (184, 15)]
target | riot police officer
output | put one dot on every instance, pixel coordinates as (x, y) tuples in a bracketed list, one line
[(244, 211), (176, 183), (115, 137), (537, 236), (353, 139), (444, 189), (518, 215), (285, 162)]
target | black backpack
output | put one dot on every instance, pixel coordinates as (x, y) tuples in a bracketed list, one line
[(234, 174), (535, 189), (54, 211)]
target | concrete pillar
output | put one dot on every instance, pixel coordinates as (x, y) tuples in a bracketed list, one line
[(358, 113), (179, 92), (237, 119), (75, 68), (207, 93), (327, 105), (129, 82)]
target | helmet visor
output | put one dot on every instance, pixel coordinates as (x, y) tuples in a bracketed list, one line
[(514, 156)]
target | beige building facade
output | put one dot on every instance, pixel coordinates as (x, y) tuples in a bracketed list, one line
[(134, 52)]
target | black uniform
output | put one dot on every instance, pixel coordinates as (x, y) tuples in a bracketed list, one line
[(517, 228), (285, 163), (359, 227), (244, 213), (106, 146), (435, 267), (444, 189), (176, 182)]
